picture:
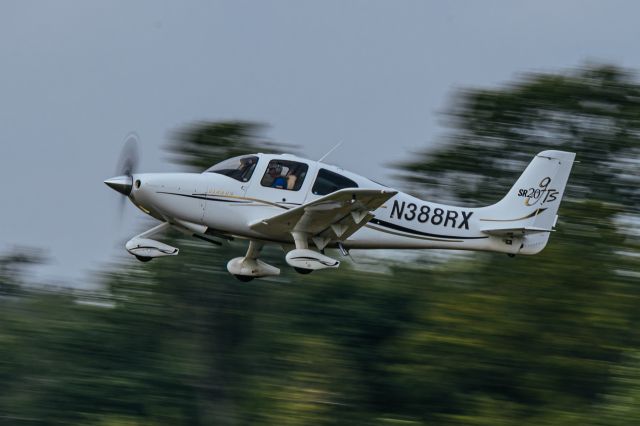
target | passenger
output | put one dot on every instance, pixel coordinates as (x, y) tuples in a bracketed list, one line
[(278, 180), (291, 180)]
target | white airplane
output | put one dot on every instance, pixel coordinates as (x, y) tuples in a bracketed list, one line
[(307, 206)]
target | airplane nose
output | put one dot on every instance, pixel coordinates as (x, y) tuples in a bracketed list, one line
[(122, 184)]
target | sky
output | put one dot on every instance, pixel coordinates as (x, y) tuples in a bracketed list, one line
[(377, 76)]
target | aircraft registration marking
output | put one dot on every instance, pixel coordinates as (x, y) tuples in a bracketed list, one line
[(423, 214)]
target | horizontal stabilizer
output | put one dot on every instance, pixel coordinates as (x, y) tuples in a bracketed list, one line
[(525, 230)]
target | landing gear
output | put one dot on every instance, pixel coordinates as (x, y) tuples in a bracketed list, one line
[(304, 260), (145, 249), (511, 255), (249, 267)]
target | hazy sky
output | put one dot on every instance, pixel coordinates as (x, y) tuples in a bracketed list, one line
[(77, 76)]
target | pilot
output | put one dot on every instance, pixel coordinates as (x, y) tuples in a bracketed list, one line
[(278, 180), (246, 168)]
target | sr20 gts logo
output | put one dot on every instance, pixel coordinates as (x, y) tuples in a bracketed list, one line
[(543, 194)]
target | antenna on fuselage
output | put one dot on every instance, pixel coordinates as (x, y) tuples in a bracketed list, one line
[(330, 151)]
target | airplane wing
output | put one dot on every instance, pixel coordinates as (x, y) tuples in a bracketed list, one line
[(333, 217)]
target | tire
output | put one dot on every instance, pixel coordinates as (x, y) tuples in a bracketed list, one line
[(143, 259), (244, 278), (303, 271)]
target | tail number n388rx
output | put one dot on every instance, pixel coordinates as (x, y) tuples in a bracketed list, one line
[(436, 216)]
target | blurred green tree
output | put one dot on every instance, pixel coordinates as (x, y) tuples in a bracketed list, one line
[(202, 144), (480, 339), (539, 335), (13, 267), (621, 404), (593, 111)]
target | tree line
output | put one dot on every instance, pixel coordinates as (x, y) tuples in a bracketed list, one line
[(471, 339)]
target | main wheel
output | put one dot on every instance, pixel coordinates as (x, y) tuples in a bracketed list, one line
[(143, 259), (244, 278), (303, 271)]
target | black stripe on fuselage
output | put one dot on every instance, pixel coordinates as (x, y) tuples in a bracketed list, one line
[(201, 197), (226, 200), (414, 232), (529, 216)]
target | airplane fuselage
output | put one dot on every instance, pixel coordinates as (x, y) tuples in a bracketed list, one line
[(226, 205)]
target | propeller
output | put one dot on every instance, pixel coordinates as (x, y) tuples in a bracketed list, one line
[(127, 165), (129, 156)]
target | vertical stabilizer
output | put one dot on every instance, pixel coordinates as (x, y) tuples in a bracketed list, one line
[(530, 208)]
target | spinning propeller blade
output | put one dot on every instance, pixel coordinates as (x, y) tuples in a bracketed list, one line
[(128, 162), (127, 165)]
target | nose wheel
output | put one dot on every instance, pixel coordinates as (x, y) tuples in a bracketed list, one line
[(303, 271)]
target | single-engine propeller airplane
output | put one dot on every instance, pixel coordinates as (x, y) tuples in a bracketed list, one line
[(306, 206)]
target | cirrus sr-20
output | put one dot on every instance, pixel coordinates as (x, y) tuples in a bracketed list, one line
[(307, 206)]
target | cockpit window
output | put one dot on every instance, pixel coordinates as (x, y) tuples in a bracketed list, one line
[(284, 174), (328, 182), (239, 168)]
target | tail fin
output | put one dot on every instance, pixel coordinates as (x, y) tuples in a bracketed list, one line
[(530, 207)]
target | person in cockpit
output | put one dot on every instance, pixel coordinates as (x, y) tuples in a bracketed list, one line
[(278, 180)]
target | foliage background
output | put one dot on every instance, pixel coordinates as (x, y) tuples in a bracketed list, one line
[(476, 339)]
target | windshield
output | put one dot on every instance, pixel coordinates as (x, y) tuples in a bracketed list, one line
[(239, 168)]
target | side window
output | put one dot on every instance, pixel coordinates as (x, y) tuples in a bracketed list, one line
[(283, 174), (328, 182)]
